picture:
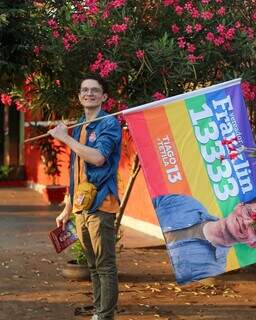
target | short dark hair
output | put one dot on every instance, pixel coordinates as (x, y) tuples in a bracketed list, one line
[(99, 79)]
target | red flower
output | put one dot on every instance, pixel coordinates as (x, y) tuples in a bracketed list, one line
[(198, 27), (206, 15), (175, 28), (37, 50), (233, 155), (140, 54), (221, 11), (179, 10), (6, 99), (248, 91), (119, 28), (20, 107), (158, 95), (113, 41), (57, 82), (191, 47), (181, 42)]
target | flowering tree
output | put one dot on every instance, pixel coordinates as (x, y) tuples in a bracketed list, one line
[(16, 54), (146, 49)]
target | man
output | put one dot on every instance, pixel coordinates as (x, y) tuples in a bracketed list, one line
[(198, 242), (94, 158)]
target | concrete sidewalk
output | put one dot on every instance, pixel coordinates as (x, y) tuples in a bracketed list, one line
[(32, 286), (30, 201)]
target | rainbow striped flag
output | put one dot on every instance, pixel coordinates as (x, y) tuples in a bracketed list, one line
[(196, 144)]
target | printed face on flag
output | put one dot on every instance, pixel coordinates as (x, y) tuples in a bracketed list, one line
[(193, 151)]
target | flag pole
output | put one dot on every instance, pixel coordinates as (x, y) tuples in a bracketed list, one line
[(127, 193), (74, 125)]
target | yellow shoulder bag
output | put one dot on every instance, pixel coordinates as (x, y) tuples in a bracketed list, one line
[(84, 196)]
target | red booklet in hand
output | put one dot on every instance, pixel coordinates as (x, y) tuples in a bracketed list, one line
[(61, 239)]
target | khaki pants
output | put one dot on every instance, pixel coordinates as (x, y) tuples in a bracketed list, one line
[(96, 232)]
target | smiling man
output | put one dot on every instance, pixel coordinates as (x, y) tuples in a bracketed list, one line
[(94, 161), (197, 241)]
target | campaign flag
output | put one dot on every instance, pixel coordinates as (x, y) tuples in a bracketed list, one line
[(194, 150)]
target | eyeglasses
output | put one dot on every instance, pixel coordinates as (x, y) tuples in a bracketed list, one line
[(94, 91)]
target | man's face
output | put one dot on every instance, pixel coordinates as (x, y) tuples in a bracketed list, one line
[(91, 94), (240, 221)]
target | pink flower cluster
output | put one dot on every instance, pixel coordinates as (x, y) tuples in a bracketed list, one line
[(175, 28), (219, 34), (190, 48), (226, 33), (119, 28), (91, 7), (113, 41), (181, 42), (140, 54), (114, 4), (29, 88), (53, 24), (57, 83), (86, 8), (158, 95), (55, 28), (169, 3), (250, 33), (112, 105), (78, 18), (37, 50), (223, 37), (254, 16), (207, 15), (69, 39), (193, 58), (103, 66), (6, 99), (221, 11), (188, 28), (249, 91), (20, 106)]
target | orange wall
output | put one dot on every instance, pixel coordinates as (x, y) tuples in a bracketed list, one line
[(35, 168), (139, 205)]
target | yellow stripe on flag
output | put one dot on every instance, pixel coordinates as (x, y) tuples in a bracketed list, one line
[(232, 261), (189, 152)]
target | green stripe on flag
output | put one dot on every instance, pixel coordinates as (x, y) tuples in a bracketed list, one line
[(208, 137)]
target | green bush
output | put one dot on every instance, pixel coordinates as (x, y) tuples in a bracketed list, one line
[(4, 172)]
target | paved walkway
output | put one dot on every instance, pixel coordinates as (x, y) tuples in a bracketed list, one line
[(32, 286)]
